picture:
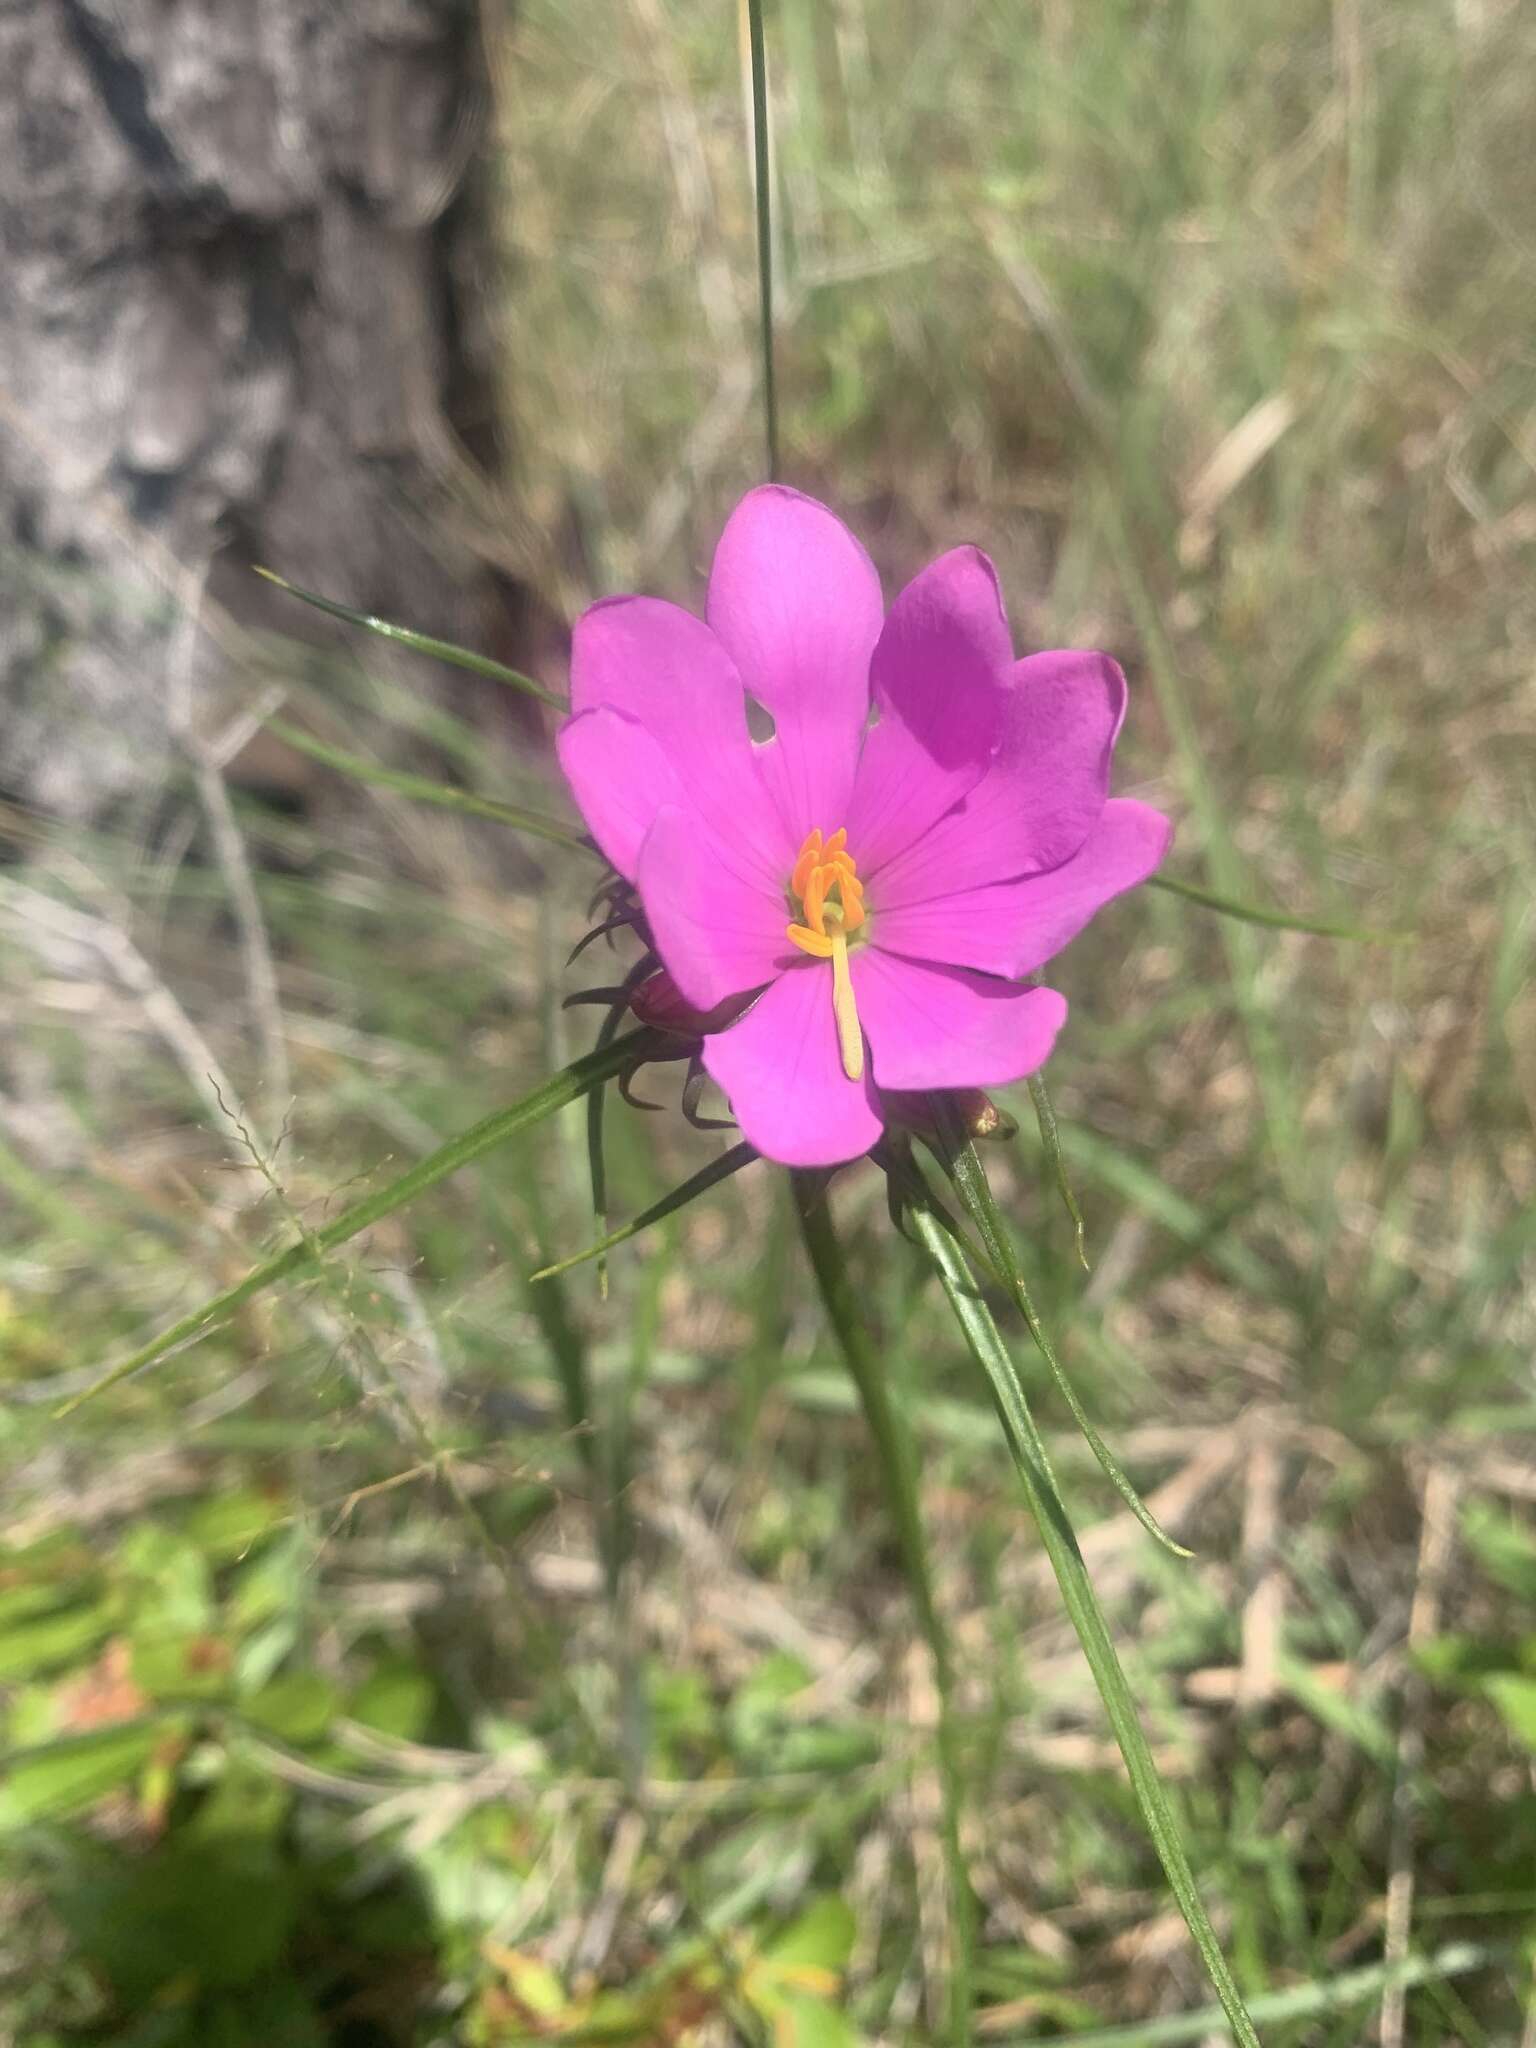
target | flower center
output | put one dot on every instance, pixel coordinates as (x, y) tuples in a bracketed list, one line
[(826, 891)]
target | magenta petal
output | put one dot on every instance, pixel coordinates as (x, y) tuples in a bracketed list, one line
[(718, 926), (940, 677), (782, 1073), (664, 668), (1011, 928), (939, 1027), (620, 779), (796, 602), (1041, 796)]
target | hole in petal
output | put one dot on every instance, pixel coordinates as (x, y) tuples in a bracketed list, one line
[(760, 722)]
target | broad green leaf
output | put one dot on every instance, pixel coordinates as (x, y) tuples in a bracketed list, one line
[(26, 1602), (227, 1524), (212, 1915), (187, 1667), (397, 1700), (1504, 1548), (297, 1707), (57, 1639), (800, 2019), (1033, 1464), (421, 643), (66, 1777), (421, 789), (822, 1936), (165, 1578), (1515, 1698), (1462, 1663), (569, 1085)]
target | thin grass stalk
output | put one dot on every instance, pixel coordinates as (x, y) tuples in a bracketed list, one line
[(569, 1085), (764, 196), (1050, 1138), (969, 1180), (1045, 1503), (1277, 920), (898, 1473), (421, 789), (700, 1183), (420, 643), (1322, 1997)]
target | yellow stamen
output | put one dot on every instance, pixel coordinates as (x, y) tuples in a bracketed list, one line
[(814, 899), (809, 857), (825, 884)]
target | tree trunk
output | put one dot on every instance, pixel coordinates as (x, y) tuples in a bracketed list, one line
[(241, 273)]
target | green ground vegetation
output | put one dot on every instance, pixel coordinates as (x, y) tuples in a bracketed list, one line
[(426, 1655)]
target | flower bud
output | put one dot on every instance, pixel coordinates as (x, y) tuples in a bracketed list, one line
[(979, 1115), (661, 1004)]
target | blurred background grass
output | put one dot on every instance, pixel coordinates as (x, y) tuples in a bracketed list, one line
[(353, 1692)]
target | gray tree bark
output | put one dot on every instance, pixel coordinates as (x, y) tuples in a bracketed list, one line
[(241, 279)]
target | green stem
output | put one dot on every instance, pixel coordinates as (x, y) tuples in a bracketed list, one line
[(1045, 1503), (569, 1085), (898, 1471), (764, 229)]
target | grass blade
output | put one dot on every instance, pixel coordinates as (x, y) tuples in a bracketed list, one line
[(1050, 1138), (898, 1472), (597, 1105), (420, 643), (970, 1181), (1299, 2001), (421, 789), (1276, 920), (569, 1085), (1033, 1465), (697, 1184)]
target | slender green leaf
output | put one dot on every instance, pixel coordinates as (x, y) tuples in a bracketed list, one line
[(1297, 2001), (1200, 1231), (697, 1184), (1277, 920), (1050, 1138), (597, 1106), (421, 643), (1033, 1464), (898, 1472), (423, 790), (971, 1184), (569, 1085)]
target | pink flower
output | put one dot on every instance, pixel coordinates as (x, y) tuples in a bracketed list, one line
[(885, 885)]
